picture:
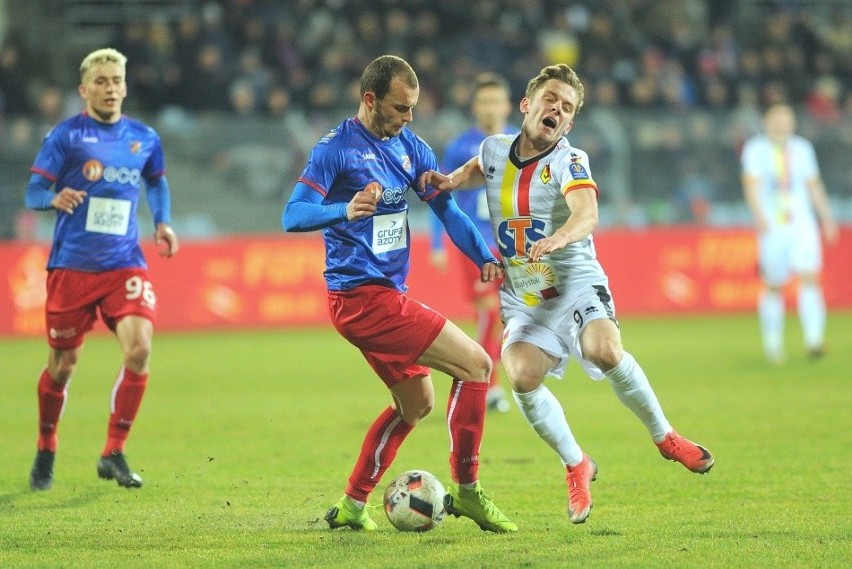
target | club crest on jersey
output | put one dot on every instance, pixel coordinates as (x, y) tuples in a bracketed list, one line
[(516, 235), (135, 146), (93, 170), (406, 162), (545, 174), (578, 172)]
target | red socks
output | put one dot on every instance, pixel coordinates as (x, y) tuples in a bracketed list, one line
[(126, 397), (466, 421), (465, 418), (51, 401), (377, 452)]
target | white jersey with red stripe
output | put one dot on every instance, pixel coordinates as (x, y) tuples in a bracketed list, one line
[(783, 171), (526, 202)]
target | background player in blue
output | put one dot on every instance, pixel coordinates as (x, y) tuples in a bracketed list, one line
[(90, 169), (490, 107), (353, 188)]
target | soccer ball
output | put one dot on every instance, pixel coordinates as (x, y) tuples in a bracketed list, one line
[(414, 501)]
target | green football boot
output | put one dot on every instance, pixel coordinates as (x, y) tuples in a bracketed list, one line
[(346, 514), (478, 506)]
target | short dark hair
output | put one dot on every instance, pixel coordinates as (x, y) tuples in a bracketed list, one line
[(488, 79), (381, 71)]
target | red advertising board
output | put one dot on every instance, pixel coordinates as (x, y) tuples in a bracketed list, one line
[(276, 280)]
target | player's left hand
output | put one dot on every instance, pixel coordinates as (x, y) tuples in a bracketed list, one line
[(547, 245), (164, 234), (491, 272)]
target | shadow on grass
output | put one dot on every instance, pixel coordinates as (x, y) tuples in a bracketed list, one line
[(46, 500)]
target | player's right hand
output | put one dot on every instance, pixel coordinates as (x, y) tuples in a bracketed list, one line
[(68, 199), (363, 204), (436, 180), (491, 271)]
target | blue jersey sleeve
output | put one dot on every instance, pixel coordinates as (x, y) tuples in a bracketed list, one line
[(51, 156), (306, 212), (159, 199), (461, 230), (39, 193)]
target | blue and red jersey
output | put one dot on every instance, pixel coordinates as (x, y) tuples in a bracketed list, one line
[(350, 159), (109, 162)]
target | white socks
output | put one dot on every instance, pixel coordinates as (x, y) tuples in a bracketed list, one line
[(770, 311), (631, 386), (543, 411), (812, 315)]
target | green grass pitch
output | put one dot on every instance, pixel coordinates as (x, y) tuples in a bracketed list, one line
[(244, 439)]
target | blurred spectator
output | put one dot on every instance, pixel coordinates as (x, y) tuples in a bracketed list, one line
[(206, 86), (14, 79), (823, 101)]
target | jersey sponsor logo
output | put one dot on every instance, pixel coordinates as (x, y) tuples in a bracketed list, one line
[(92, 139), (389, 232), (545, 174), (93, 170), (106, 215), (516, 235), (489, 173), (122, 175), (388, 195), (135, 146), (578, 172), (370, 156)]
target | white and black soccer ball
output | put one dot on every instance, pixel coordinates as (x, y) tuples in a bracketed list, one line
[(414, 501)]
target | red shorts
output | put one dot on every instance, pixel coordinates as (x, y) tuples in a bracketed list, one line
[(390, 329), (472, 283), (73, 298)]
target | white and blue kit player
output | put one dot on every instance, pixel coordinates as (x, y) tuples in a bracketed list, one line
[(785, 192)]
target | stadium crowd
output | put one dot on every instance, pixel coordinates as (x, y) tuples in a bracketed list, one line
[(261, 56), (680, 64)]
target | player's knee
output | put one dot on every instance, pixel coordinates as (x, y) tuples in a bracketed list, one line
[(606, 353), (413, 413), (524, 376), (136, 356), (61, 365), (479, 366), (62, 372)]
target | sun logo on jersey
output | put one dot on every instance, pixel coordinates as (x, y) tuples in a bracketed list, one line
[(93, 170), (545, 174), (135, 147), (544, 273)]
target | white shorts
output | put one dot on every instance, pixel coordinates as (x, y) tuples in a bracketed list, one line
[(785, 251), (555, 325)]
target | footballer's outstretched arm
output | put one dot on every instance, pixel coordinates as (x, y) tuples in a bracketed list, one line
[(465, 236), (466, 177)]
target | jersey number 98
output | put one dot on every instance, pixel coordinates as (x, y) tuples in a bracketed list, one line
[(137, 288)]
